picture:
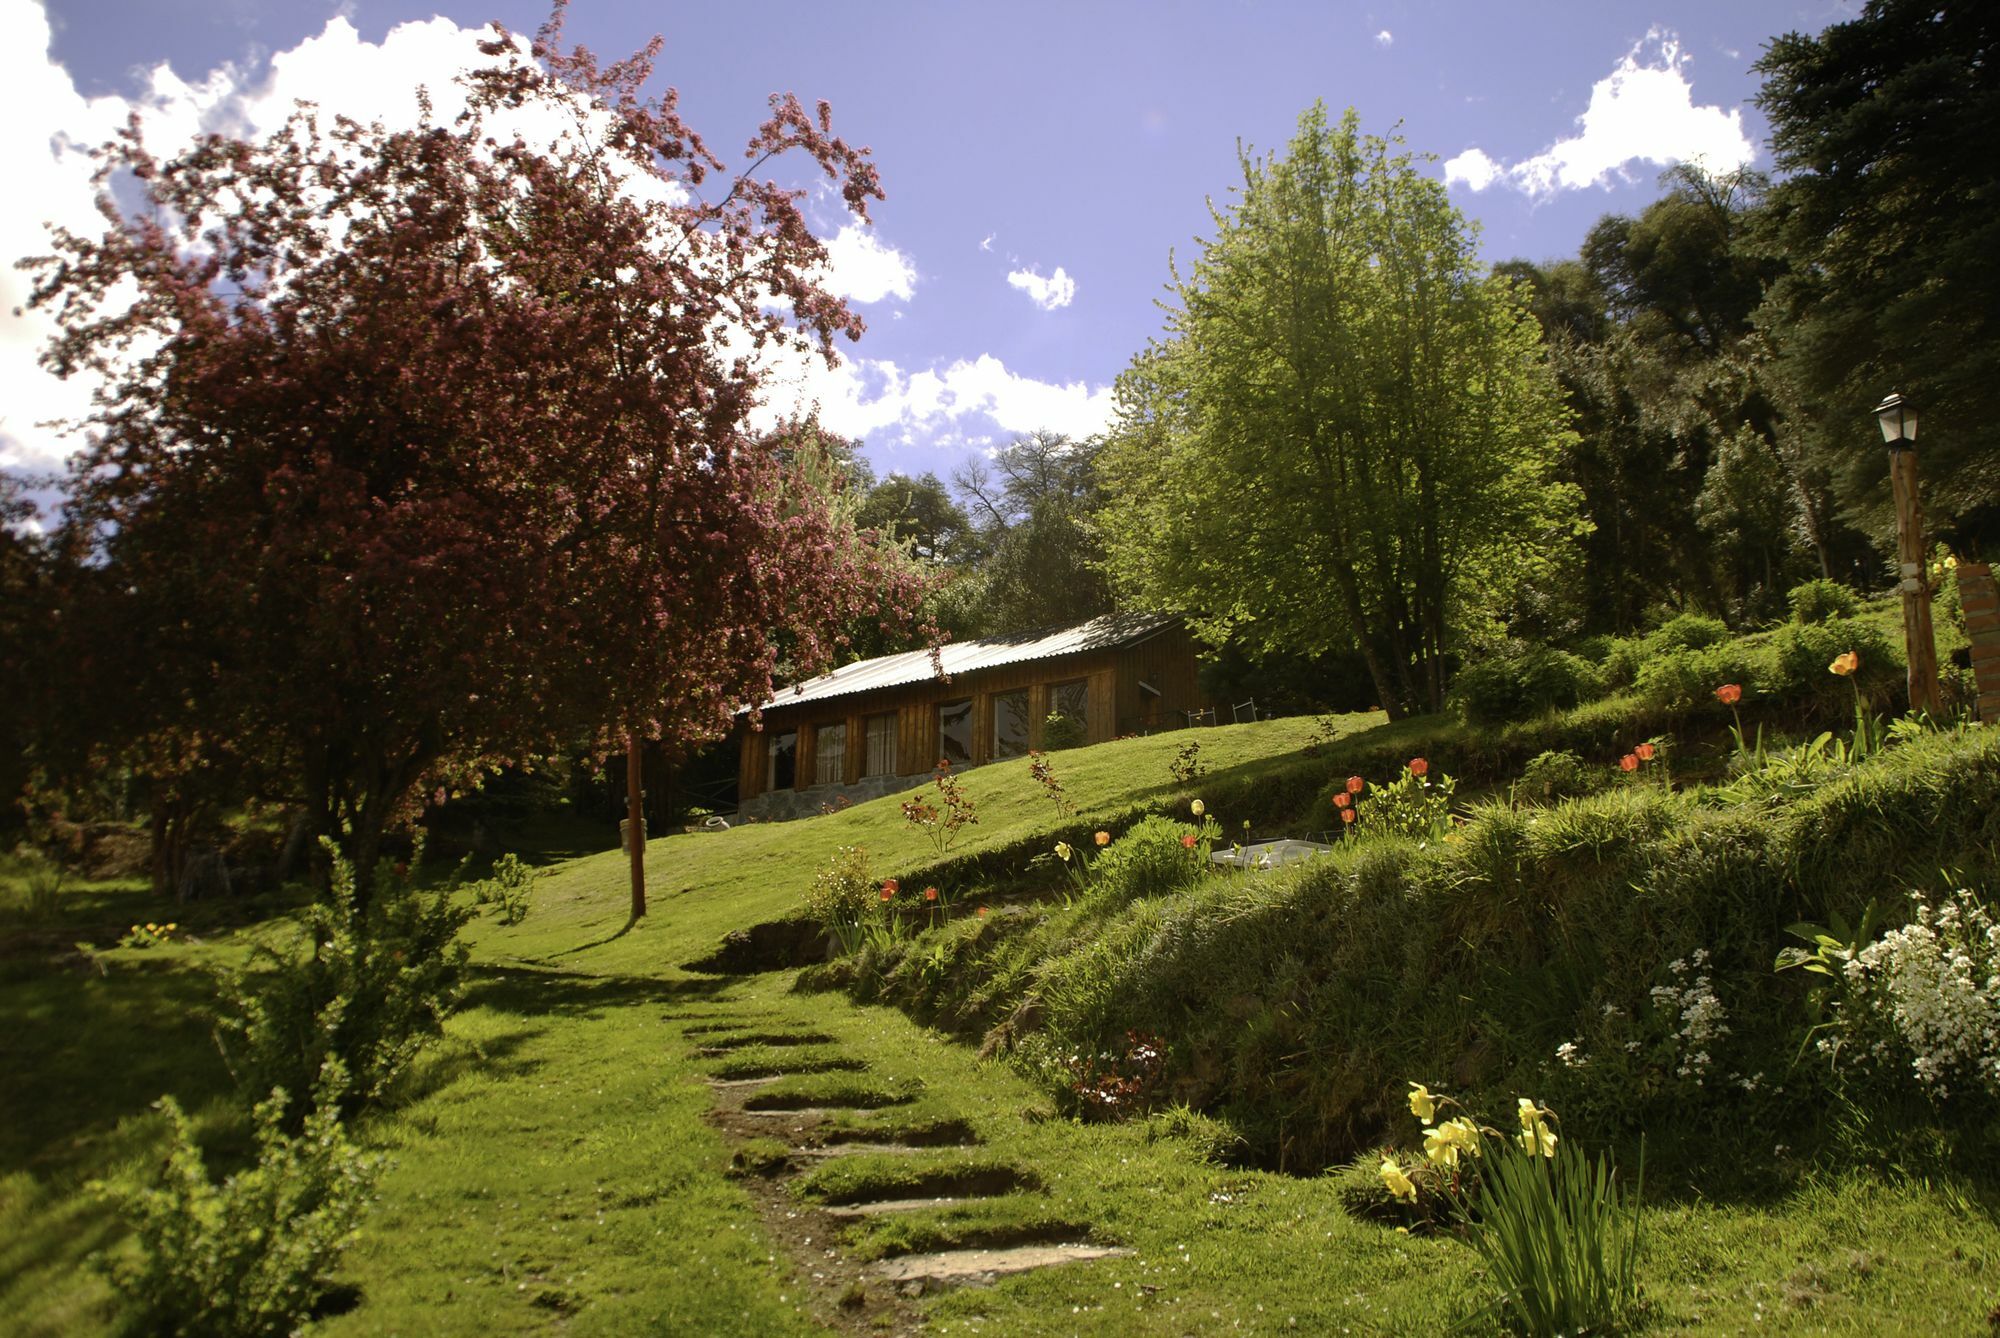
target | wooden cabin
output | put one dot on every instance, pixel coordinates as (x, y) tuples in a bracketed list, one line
[(878, 726)]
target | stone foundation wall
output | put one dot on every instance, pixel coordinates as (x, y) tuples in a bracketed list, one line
[(784, 805)]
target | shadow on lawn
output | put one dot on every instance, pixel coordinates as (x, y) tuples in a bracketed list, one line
[(526, 992)]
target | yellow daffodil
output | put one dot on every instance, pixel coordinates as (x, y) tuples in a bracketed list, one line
[(1422, 1104), (1063, 851), (1845, 664), (1536, 1136), (1396, 1182), (1196, 808), (1446, 1143)]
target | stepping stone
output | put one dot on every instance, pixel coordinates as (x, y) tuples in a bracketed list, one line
[(854, 1211), (821, 1151), (916, 1273), (745, 1084)]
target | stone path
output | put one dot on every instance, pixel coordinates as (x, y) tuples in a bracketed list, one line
[(798, 1111)]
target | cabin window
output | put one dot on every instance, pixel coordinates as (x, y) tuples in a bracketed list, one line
[(955, 732), (1010, 723), (1071, 701), (830, 754), (784, 761), (880, 759)]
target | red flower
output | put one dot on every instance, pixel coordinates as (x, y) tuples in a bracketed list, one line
[(1354, 784), (1644, 752), (1419, 767), (1342, 799), (1347, 815), (1629, 762), (1730, 693), (887, 892), (982, 911), (1188, 840), (890, 887), (930, 894)]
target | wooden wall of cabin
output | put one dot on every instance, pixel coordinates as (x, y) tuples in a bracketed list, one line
[(1165, 660), (1113, 692)]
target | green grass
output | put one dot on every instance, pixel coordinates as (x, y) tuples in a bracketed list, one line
[(554, 1169)]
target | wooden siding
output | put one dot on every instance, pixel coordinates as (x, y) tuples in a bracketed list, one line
[(1166, 660)]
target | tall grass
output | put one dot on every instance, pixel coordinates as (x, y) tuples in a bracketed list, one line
[(1560, 1241)]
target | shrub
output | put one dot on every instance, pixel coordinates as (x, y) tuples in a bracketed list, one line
[(1802, 651), (843, 896), (1679, 677), (1923, 999), (1554, 775), (1150, 860), (1821, 600), (1412, 805), (1511, 686), (1061, 731), (507, 887), (1688, 631), (250, 1256), (371, 988)]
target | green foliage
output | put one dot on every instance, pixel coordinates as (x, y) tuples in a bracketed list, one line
[(1677, 678), (248, 1257), (506, 887), (1412, 431), (1688, 631), (369, 987), (1412, 806), (1820, 600), (1801, 653), (842, 897), (1554, 775), (1150, 860), (1507, 687), (1560, 1240), (1061, 731)]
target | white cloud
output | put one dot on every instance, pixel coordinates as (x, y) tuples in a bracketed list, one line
[(1642, 112), (864, 270), (1057, 290), (880, 402), (1472, 167), (986, 243), (1385, 38)]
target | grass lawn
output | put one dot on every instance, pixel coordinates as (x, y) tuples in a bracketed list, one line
[(556, 1167)]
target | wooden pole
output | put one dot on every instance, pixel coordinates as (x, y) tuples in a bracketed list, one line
[(635, 817), (1919, 642)]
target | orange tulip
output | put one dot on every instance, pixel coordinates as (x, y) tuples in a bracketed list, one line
[(1419, 767), (1845, 664), (930, 894), (1188, 841), (1354, 784), (1629, 762), (1104, 838), (890, 887), (1730, 693), (1644, 752), (1347, 815), (1342, 799)]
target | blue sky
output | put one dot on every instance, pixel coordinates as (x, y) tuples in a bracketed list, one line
[(1041, 159)]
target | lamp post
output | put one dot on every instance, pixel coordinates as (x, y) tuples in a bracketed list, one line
[(1898, 420)]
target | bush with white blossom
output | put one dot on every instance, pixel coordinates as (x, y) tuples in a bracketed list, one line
[(1924, 998)]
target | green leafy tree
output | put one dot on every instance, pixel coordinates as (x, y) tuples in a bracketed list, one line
[(1346, 436), (1884, 127), (1036, 507)]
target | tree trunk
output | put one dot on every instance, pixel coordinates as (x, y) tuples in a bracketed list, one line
[(635, 815)]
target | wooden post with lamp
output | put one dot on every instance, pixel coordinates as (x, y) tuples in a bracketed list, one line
[(1897, 418)]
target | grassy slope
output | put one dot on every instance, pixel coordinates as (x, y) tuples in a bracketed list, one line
[(553, 1170)]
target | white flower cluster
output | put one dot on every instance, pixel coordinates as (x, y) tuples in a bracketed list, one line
[(1693, 1004), (1936, 982)]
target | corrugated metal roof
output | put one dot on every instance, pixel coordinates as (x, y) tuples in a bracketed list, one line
[(964, 657)]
